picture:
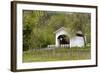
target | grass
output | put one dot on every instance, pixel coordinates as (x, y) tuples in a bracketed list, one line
[(57, 54)]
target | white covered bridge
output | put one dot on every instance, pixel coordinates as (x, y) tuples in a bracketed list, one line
[(63, 39)]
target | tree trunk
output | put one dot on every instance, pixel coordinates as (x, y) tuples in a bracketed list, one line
[(84, 41)]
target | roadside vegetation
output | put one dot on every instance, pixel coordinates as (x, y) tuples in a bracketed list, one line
[(57, 54)]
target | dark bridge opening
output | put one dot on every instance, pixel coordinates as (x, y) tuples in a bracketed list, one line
[(63, 40)]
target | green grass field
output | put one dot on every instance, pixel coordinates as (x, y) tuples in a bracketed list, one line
[(57, 54)]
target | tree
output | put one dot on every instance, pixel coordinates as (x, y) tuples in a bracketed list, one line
[(82, 23)]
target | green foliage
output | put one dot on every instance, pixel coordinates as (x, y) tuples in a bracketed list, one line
[(38, 26)]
